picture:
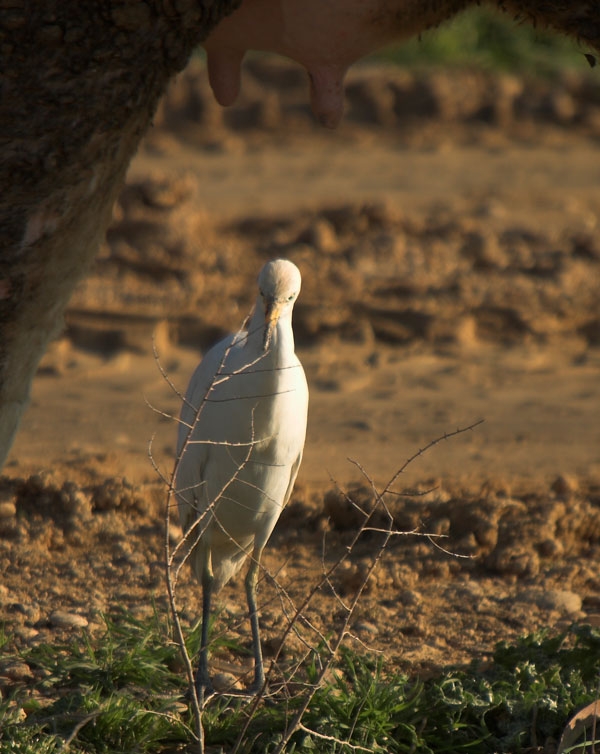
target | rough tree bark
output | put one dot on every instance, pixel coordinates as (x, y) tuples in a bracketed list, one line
[(79, 82)]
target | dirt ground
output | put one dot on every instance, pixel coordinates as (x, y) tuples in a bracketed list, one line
[(448, 241)]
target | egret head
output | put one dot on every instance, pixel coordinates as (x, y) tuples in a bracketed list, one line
[(278, 285)]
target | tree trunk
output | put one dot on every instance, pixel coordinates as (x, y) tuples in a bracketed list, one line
[(79, 83)]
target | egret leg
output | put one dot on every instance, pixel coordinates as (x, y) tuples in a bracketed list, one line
[(251, 581), (203, 684)]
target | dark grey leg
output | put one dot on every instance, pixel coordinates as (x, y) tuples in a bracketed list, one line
[(251, 580), (203, 684)]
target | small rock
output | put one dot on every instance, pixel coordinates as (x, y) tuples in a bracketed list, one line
[(410, 597), (17, 713), (322, 236), (464, 595), (224, 682), (593, 620), (353, 577), (231, 609), (175, 534), (364, 627), (96, 628), (467, 545), (514, 560), (8, 509), (551, 548), (592, 601), (62, 619), (26, 633), (564, 486), (115, 493), (74, 501), (181, 707), (8, 527), (15, 670), (415, 628), (29, 611), (561, 600)]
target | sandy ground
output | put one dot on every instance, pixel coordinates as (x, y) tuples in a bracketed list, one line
[(447, 278)]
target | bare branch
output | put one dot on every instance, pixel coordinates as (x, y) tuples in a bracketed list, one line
[(333, 739), (431, 444), (164, 374)]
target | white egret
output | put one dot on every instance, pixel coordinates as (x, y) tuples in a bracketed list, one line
[(240, 443)]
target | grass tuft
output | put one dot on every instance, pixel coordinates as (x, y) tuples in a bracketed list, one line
[(114, 693), (124, 692)]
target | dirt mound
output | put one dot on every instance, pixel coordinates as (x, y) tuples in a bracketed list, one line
[(92, 547), (503, 534), (437, 278), (398, 278), (74, 541)]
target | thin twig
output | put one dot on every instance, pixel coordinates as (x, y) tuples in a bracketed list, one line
[(333, 739), (81, 724), (431, 444), (333, 648)]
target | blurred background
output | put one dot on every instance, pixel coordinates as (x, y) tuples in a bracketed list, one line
[(447, 236)]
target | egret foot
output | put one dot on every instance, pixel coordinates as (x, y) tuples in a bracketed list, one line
[(204, 689)]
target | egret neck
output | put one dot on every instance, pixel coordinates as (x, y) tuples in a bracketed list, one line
[(270, 330)]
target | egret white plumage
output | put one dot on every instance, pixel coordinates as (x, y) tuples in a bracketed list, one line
[(240, 444)]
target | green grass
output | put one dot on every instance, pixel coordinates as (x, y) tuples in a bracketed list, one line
[(489, 39), (124, 692), (119, 693)]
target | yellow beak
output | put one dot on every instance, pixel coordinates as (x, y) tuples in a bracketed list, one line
[(272, 314)]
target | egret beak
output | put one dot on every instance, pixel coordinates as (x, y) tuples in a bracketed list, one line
[(272, 314)]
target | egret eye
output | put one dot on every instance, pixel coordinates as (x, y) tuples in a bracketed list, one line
[(290, 298)]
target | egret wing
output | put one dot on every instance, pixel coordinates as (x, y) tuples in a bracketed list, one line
[(193, 457), (293, 475)]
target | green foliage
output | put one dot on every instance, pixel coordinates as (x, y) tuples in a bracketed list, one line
[(543, 676), (487, 38), (124, 692), (117, 694), (529, 690), (131, 652)]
